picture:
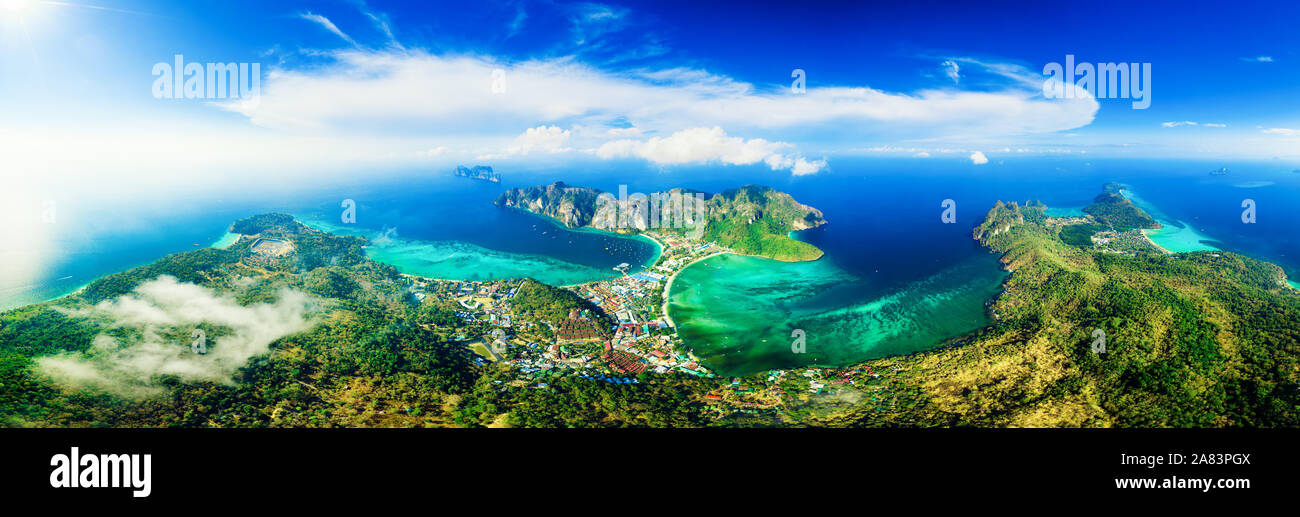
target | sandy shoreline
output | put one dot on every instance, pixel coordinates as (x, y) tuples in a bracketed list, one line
[(658, 255), (1153, 243), (669, 284)]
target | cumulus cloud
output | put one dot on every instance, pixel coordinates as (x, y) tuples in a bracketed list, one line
[(978, 158), (692, 146), (797, 165), (704, 145), (1258, 59), (550, 139), (804, 167), (348, 109), (160, 315), (364, 88)]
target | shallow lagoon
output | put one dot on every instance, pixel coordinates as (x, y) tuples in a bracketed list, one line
[(738, 313), (457, 260)]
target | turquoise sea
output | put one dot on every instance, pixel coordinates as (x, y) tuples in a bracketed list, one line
[(432, 224), (448, 227), (460, 260), (895, 279), (744, 314)]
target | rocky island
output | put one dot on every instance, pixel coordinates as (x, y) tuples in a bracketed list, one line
[(1112, 209), (751, 220), (1201, 339), (478, 172)]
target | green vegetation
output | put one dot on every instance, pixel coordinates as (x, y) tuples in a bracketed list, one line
[(669, 401), (1194, 339), (1080, 234), (759, 240), (194, 267), (540, 302), (757, 220), (1200, 339), (1112, 209), (753, 219), (314, 247), (368, 362)]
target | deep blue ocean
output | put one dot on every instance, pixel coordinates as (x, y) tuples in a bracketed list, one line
[(884, 214)]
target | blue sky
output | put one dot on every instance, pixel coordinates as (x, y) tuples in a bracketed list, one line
[(351, 84)]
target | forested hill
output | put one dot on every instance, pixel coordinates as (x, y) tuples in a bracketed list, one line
[(320, 336), (1112, 209), (752, 219), (1193, 339), (325, 337), (1084, 338)]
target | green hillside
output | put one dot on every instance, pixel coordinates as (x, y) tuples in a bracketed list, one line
[(753, 219), (1112, 209), (1192, 340)]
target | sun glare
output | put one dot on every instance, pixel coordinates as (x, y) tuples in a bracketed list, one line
[(16, 6)]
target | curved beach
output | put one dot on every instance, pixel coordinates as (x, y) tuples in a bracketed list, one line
[(668, 285)]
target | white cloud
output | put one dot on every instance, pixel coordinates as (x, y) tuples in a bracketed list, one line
[(803, 167), (797, 165), (550, 139), (1281, 131), (704, 145), (1191, 123), (159, 310), (968, 153), (951, 70), (327, 25), (383, 89), (382, 23), (625, 131), (395, 108), (1258, 59), (978, 158), (591, 20), (695, 145)]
